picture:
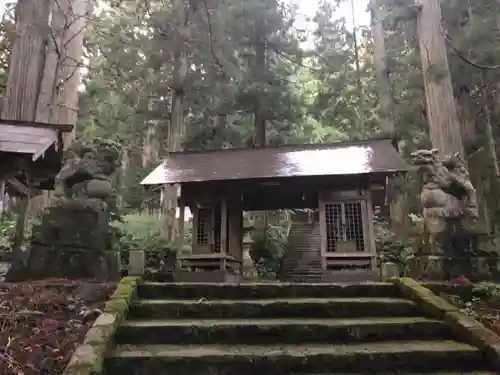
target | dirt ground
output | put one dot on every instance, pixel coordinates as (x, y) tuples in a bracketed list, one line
[(42, 322)]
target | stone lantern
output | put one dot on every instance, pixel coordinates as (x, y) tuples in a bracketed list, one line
[(247, 262)]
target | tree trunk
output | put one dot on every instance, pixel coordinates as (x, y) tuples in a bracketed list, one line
[(444, 128), (26, 60), (76, 14), (386, 102), (490, 140), (23, 82), (58, 96), (386, 106), (259, 66), (176, 129), (361, 115)]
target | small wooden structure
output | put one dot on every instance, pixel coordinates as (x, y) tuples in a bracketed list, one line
[(340, 181), (30, 155)]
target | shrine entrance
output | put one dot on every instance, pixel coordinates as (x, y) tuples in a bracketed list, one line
[(219, 185)]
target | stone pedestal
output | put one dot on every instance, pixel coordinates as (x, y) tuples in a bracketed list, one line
[(72, 241), (445, 268), (136, 262), (388, 270)]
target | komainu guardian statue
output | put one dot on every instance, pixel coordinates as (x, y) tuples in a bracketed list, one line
[(447, 197), (73, 239)]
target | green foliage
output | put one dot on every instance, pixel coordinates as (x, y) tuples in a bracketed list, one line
[(267, 251), (142, 232), (392, 247), (7, 231)]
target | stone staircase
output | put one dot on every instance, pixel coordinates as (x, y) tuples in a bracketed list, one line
[(302, 258), (273, 329)]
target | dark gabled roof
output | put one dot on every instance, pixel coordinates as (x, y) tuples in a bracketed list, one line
[(31, 138), (342, 158)]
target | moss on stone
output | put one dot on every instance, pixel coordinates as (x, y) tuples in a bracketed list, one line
[(463, 326), (432, 305), (88, 358)]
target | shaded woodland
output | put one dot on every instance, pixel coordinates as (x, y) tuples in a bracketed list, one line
[(160, 76)]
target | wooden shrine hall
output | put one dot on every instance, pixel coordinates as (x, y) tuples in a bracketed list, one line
[(342, 182)]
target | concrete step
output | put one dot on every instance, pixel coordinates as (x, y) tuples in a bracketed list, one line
[(275, 331), (235, 291), (274, 308), (367, 358)]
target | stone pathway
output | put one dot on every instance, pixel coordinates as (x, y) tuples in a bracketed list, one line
[(248, 329)]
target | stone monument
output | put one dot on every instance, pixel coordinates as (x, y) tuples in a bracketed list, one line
[(450, 213), (73, 239)]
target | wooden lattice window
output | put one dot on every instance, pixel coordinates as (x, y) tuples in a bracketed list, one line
[(333, 216), (344, 222), (204, 226), (217, 231), (354, 224)]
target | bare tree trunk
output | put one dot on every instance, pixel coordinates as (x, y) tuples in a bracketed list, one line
[(444, 127), (176, 129)]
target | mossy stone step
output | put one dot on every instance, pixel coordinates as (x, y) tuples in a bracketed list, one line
[(369, 358), (151, 290), (274, 308), (272, 331)]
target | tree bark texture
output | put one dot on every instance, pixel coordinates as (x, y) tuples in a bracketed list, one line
[(176, 129), (27, 59), (444, 127), (386, 102)]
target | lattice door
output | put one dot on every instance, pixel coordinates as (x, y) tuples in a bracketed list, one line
[(344, 222), (203, 231), (333, 217), (353, 215)]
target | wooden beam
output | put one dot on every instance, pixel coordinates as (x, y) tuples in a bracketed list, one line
[(65, 128)]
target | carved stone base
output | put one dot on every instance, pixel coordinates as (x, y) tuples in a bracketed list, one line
[(71, 263), (443, 268), (72, 241)]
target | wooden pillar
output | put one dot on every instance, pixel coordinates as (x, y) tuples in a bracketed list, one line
[(236, 231), (180, 224), (195, 211), (322, 228), (223, 225), (370, 235), (2, 196)]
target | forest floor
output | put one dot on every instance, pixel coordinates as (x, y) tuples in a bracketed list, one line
[(42, 323), (483, 307)]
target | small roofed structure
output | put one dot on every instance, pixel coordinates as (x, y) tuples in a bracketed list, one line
[(341, 182), (30, 155)]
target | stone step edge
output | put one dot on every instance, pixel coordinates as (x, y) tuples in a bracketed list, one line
[(291, 351), (277, 301), (277, 322), (270, 284)]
